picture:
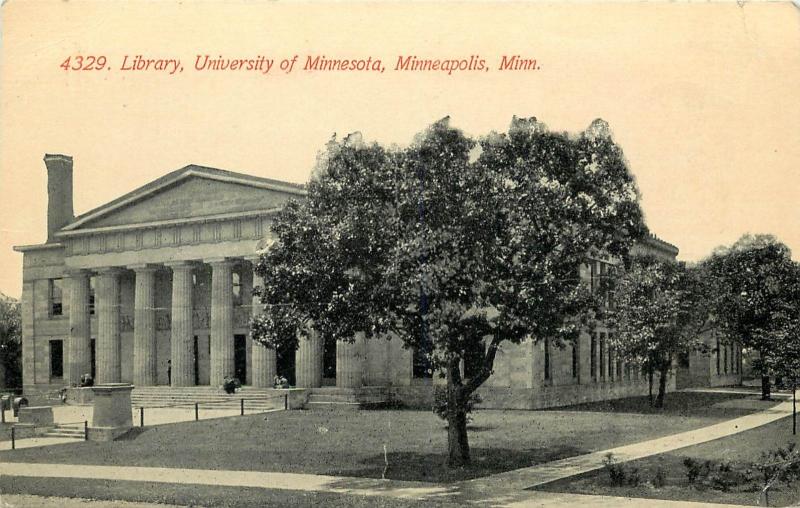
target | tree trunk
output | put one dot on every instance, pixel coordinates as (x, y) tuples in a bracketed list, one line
[(662, 386), (457, 442), (765, 388), (650, 383)]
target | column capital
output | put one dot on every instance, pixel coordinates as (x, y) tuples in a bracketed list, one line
[(143, 267), (180, 264), (253, 258), (219, 261), (109, 270), (76, 273)]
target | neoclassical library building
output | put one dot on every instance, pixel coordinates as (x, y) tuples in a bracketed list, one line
[(155, 289)]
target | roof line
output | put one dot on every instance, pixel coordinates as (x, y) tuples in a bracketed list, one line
[(181, 174)]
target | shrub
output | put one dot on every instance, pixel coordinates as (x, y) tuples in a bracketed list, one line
[(696, 471), (440, 402), (619, 474), (230, 384), (660, 478)]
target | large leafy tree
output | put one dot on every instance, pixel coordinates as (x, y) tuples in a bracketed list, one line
[(449, 245), (753, 281), (659, 313)]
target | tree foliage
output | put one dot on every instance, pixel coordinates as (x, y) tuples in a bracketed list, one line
[(659, 314), (449, 243), (11, 342), (754, 292)]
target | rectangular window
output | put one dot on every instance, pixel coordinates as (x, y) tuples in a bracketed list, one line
[(237, 288), (592, 274), (547, 359), (56, 297), (473, 359), (725, 358), (56, 359), (718, 355), (421, 364), (603, 350), (593, 357), (619, 369), (91, 297), (575, 361)]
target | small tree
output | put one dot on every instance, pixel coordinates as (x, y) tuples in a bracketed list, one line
[(658, 315), (449, 245), (784, 327), (10, 342), (752, 283)]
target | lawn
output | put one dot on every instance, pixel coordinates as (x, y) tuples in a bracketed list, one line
[(361, 443), (741, 448)]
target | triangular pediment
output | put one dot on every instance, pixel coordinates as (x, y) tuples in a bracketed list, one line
[(194, 192)]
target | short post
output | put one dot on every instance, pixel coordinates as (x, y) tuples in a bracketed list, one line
[(2, 413), (141, 416), (241, 407), (13, 441), (196, 411), (86, 430), (794, 408), (285, 401)]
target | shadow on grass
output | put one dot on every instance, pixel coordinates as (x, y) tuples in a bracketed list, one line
[(432, 467), (675, 404)]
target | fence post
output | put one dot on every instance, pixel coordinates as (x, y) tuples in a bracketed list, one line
[(13, 441), (241, 407), (196, 411), (85, 430), (285, 401), (141, 416)]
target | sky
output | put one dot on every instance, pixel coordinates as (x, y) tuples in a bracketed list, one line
[(702, 98)]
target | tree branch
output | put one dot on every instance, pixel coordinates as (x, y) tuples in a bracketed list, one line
[(486, 370)]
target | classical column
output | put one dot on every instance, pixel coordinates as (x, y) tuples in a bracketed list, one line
[(182, 340), (108, 338), (79, 346), (263, 360), (222, 364), (144, 326), (308, 361), (349, 362)]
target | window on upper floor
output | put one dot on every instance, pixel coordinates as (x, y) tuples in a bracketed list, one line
[(237, 287), (55, 297), (91, 296)]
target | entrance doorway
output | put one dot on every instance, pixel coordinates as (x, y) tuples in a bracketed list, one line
[(240, 357), (329, 363), (284, 359), (196, 362)]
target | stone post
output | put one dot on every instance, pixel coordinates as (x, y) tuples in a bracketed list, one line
[(263, 359), (222, 353), (108, 338), (144, 326), (182, 340), (112, 415), (308, 361), (349, 362), (79, 347)]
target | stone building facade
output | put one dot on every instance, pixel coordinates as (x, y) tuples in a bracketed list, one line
[(154, 288)]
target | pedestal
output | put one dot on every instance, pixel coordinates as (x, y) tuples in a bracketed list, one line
[(112, 415)]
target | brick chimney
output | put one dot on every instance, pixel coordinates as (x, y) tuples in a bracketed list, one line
[(59, 193)]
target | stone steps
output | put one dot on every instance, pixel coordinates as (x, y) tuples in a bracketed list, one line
[(207, 397), (70, 431), (334, 398)]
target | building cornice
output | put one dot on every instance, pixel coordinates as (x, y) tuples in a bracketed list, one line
[(38, 246), (168, 222)]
